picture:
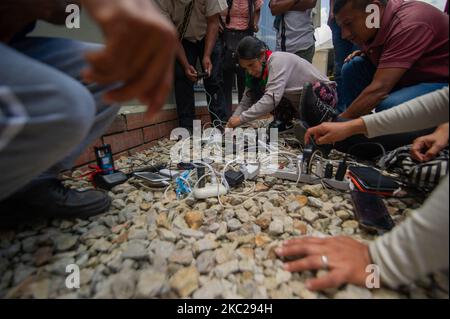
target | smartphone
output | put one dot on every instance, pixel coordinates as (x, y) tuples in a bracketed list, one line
[(368, 179), (202, 75), (153, 178), (371, 212)]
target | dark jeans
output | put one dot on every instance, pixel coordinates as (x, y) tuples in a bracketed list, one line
[(342, 49), (184, 88), (229, 76), (371, 151)]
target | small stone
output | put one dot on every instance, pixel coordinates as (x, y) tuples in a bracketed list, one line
[(187, 232), (96, 232), (262, 239), (102, 245), (135, 251), (261, 187), (336, 199), (243, 216), (123, 285), (150, 283), (276, 228), (211, 290), (227, 268), (40, 289), (183, 257), (194, 219), (222, 255), (205, 262), (301, 226), (167, 235), (205, 244), (65, 242), (264, 220), (282, 276), (313, 190), (350, 224), (343, 214), (293, 207), (234, 224), (308, 214), (248, 204), (185, 281), (42, 256), (314, 202), (302, 200)]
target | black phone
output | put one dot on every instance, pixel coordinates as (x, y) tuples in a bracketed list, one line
[(372, 180), (371, 212)]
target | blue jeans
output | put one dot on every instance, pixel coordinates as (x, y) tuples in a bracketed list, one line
[(47, 115), (358, 74), (342, 49)]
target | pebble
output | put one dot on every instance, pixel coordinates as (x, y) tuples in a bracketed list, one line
[(185, 281)]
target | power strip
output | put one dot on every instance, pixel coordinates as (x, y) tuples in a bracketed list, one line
[(292, 175)]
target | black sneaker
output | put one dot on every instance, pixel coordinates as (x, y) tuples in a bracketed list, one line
[(50, 199), (312, 110)]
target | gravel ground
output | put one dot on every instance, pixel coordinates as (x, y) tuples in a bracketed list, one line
[(151, 245)]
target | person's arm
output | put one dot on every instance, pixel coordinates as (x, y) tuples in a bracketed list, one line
[(417, 247), (278, 7), (256, 19), (426, 111), (382, 84), (212, 32)]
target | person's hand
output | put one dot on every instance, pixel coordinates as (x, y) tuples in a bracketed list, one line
[(347, 260), (332, 132), (191, 73), (233, 122), (139, 52), (427, 147), (353, 55), (256, 28), (207, 65)]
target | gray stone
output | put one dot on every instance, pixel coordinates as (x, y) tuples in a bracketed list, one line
[(150, 283), (314, 202), (96, 232), (211, 290), (227, 268), (183, 257), (234, 224), (187, 232), (135, 251), (205, 262), (308, 214), (205, 244), (293, 207), (167, 235), (276, 228)]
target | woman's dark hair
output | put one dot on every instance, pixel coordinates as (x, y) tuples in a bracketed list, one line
[(250, 48)]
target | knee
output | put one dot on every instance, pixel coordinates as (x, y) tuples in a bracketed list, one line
[(349, 68), (76, 109)]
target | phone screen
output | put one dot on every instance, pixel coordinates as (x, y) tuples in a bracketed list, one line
[(151, 177), (371, 211)]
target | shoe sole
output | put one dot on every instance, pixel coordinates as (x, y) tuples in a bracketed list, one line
[(21, 213)]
